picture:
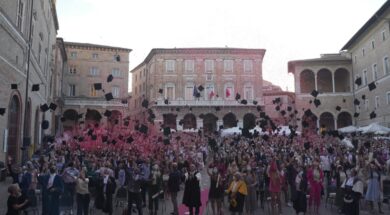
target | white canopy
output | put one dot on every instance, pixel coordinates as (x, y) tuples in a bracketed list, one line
[(230, 131), (347, 142), (348, 129), (374, 128)]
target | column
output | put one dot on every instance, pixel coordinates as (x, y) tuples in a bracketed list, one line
[(315, 81), (333, 84), (335, 123)]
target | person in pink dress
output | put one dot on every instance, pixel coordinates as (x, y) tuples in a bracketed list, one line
[(275, 185), (315, 177)]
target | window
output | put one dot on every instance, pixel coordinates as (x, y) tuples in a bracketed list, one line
[(93, 92), (374, 72), (93, 71), (170, 91), (373, 44), (367, 104), (363, 52), (73, 55), (170, 66), (228, 65), (189, 92), (248, 65), (383, 35), (189, 66), (355, 59), (210, 92), (72, 69), (376, 101), (95, 56), (388, 98), (116, 72), (386, 66), (115, 92), (248, 92), (365, 81), (209, 66), (229, 92), (19, 21), (72, 90)]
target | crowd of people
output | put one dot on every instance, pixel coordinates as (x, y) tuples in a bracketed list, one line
[(142, 165)]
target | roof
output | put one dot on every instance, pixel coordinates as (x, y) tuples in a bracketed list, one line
[(54, 13), (374, 19), (203, 50), (76, 44)]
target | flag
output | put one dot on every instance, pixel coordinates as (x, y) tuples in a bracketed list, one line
[(195, 92), (227, 92), (211, 95)]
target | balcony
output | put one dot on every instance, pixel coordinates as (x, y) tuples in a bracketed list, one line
[(202, 102), (97, 102)]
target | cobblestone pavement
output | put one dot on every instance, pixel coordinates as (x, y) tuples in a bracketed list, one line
[(166, 207)]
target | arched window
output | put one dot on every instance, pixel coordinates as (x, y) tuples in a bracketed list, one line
[(307, 81)]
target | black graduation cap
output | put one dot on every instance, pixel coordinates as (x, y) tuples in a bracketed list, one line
[(217, 108), (177, 109), (2, 111), (160, 91), (81, 139), (308, 113), (45, 124), (167, 131), (107, 113), (79, 116), (311, 101), (166, 101), (118, 57), (35, 87), (356, 114), (283, 112), (314, 93), (344, 100), (317, 102), (338, 108), (292, 115), (372, 115), (145, 103), (356, 102), (358, 81), (238, 96), (277, 100), (244, 102), (90, 132), (364, 97), (277, 108), (143, 129), (97, 86), (124, 101), (254, 102), (129, 140), (190, 108), (53, 106), (220, 127), (372, 86), (113, 142), (262, 114), (289, 108), (110, 78), (14, 86), (109, 96), (200, 88), (295, 111), (258, 108), (44, 107)]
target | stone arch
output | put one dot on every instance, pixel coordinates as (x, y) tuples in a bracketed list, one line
[(14, 128), (229, 120), (189, 121), (342, 81), (324, 81), (169, 120), (209, 123), (307, 81), (93, 116), (115, 118), (344, 119), (249, 121), (70, 119), (327, 121)]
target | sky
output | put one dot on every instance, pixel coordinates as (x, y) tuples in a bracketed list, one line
[(287, 29)]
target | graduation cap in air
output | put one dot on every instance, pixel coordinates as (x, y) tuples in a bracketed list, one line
[(124, 101), (258, 108), (356, 114), (344, 100), (262, 114), (289, 108), (110, 78), (143, 129), (145, 103), (308, 113), (283, 112), (79, 116), (277, 100), (238, 96), (81, 139), (190, 108), (2, 111), (364, 97), (244, 102), (126, 123), (277, 108), (317, 102), (113, 142), (90, 132), (217, 108), (372, 86), (292, 115), (295, 111), (254, 102), (372, 115), (109, 96), (178, 109), (166, 101), (97, 86), (107, 113), (14, 86), (356, 102), (35, 87), (44, 107), (338, 108), (117, 57), (160, 91), (45, 124), (358, 81), (129, 140), (53, 106), (200, 88), (314, 93)]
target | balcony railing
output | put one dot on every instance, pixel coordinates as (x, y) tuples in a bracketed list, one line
[(93, 102), (202, 102)]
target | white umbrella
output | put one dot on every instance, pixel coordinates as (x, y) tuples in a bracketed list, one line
[(347, 142), (348, 129), (374, 128), (230, 131)]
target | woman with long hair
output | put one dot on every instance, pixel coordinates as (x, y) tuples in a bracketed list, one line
[(373, 194), (275, 185), (237, 191), (315, 177)]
